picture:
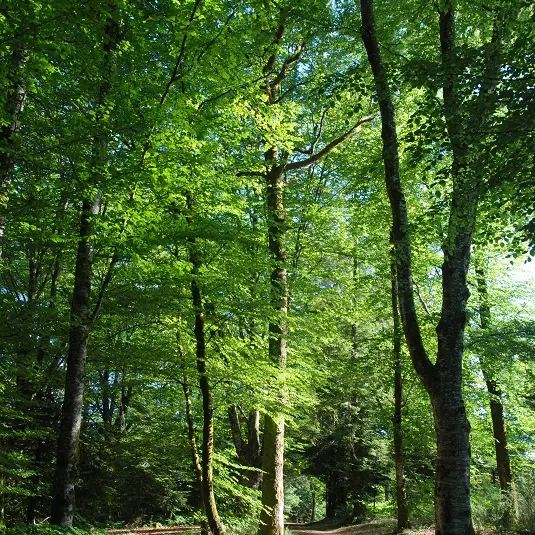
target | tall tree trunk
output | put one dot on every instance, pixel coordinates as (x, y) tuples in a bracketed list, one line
[(499, 427), (212, 515), (63, 493), (443, 380), (272, 516), (14, 106), (71, 415), (401, 487)]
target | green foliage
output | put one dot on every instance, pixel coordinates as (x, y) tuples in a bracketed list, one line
[(184, 123)]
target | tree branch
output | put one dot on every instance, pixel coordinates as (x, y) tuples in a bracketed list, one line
[(303, 164), (285, 70)]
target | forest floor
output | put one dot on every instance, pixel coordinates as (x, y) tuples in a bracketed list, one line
[(381, 526)]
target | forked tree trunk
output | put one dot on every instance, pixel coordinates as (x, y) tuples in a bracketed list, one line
[(499, 427), (401, 487), (63, 492), (249, 451), (442, 380)]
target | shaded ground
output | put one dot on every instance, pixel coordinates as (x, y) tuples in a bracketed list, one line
[(375, 527), (380, 526), (168, 530)]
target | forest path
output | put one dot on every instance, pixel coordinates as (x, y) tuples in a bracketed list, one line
[(326, 527), (381, 526), (167, 530)]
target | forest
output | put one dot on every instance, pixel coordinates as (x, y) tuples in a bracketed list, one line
[(266, 262)]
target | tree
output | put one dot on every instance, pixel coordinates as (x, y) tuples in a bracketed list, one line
[(82, 317)]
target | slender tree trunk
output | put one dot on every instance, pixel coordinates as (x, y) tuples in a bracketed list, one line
[(14, 106), (71, 415), (214, 521), (63, 493), (499, 428), (272, 516), (443, 380), (401, 488), (189, 417), (313, 508)]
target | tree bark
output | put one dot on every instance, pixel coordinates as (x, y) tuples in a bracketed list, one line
[(442, 380), (14, 106), (272, 516), (189, 417), (401, 487), (212, 515), (63, 491), (249, 451), (499, 427), (71, 415)]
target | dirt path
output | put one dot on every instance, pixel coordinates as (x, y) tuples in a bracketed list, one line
[(376, 527), (167, 530)]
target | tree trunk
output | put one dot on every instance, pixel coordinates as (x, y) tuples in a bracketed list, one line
[(63, 494), (214, 521), (335, 494), (443, 380), (272, 516), (499, 428), (249, 452), (71, 414), (14, 106), (401, 488), (189, 417)]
